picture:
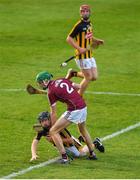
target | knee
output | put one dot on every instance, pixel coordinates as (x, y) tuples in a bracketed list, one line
[(51, 131), (88, 78), (91, 77), (94, 78)]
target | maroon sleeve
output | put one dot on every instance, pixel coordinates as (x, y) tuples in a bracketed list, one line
[(52, 98)]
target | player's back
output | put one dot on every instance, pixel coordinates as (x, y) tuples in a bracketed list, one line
[(63, 90)]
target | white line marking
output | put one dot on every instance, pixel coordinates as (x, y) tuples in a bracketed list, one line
[(55, 159), (87, 92), (11, 90), (31, 168), (113, 93), (120, 132)]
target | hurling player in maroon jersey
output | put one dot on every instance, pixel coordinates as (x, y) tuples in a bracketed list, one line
[(65, 91)]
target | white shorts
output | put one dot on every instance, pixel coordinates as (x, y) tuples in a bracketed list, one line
[(77, 116), (86, 63), (75, 152)]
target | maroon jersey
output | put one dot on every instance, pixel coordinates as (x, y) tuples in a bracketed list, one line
[(62, 90)]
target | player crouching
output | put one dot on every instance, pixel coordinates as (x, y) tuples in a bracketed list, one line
[(72, 145)]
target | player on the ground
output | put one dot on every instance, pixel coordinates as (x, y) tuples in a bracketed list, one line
[(65, 91), (73, 147), (80, 38)]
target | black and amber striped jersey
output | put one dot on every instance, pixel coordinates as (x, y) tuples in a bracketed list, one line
[(82, 32), (64, 134)]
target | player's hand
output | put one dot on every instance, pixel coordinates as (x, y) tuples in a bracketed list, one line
[(97, 42), (82, 50), (35, 157), (100, 41), (31, 90)]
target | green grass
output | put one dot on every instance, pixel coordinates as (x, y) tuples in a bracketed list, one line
[(32, 39)]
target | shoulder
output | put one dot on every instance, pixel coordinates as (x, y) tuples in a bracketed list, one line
[(77, 24)]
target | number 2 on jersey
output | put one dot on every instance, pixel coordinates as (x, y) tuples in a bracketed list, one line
[(65, 85)]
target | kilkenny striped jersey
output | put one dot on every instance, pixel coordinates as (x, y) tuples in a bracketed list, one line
[(82, 32), (64, 134)]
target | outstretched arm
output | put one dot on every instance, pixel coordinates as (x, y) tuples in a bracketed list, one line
[(34, 149)]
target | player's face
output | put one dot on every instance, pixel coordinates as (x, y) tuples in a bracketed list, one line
[(43, 84), (46, 123), (85, 14)]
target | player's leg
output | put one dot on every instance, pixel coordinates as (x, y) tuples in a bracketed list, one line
[(89, 72), (85, 134), (94, 69), (84, 64), (72, 73), (54, 132), (88, 75), (94, 73), (79, 117), (73, 151), (88, 140), (97, 144)]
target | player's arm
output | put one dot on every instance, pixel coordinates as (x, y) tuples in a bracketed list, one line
[(72, 42), (41, 91), (53, 113), (34, 149)]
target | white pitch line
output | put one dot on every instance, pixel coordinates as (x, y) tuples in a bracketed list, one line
[(87, 92), (55, 159), (121, 132), (113, 93), (12, 90), (31, 168)]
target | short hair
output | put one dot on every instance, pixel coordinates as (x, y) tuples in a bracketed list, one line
[(43, 115)]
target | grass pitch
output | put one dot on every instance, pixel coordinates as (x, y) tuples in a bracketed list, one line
[(32, 39)]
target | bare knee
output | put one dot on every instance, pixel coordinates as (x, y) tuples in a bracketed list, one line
[(94, 74), (94, 78), (91, 77), (52, 131), (88, 78)]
